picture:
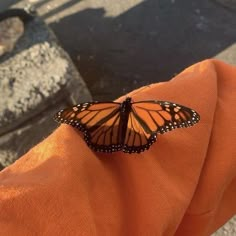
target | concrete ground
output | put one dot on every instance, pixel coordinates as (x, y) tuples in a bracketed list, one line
[(118, 46), (121, 45)]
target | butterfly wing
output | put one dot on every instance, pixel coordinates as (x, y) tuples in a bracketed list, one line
[(137, 137), (98, 121), (148, 118), (101, 123)]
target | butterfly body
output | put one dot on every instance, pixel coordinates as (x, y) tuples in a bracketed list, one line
[(125, 109), (128, 126)]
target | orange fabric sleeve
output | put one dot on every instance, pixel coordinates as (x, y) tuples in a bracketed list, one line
[(185, 184)]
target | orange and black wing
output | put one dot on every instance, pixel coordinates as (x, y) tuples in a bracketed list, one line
[(148, 118), (98, 121)]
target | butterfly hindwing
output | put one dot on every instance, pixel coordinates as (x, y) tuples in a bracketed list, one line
[(138, 138)]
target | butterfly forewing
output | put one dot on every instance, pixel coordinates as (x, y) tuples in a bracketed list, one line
[(162, 116)]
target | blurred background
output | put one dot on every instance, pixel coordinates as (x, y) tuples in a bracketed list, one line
[(111, 48)]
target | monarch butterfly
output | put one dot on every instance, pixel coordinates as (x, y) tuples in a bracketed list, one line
[(131, 127)]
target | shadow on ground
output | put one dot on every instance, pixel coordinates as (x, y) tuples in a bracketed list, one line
[(147, 44), (7, 4)]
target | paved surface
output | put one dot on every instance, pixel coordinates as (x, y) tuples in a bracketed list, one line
[(121, 45)]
